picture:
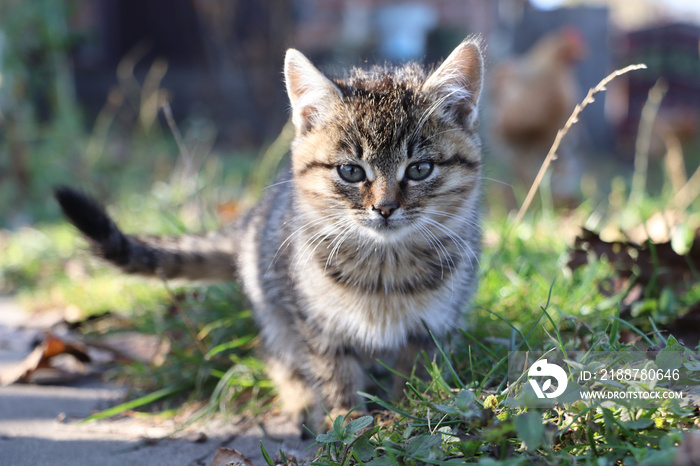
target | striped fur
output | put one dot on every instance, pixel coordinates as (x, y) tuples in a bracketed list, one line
[(332, 280), (190, 257)]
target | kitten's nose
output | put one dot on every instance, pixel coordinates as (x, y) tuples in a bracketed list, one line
[(386, 208)]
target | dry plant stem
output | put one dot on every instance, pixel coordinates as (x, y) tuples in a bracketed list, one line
[(674, 162), (125, 73), (100, 130), (688, 193), (552, 154), (152, 94), (641, 149), (186, 157)]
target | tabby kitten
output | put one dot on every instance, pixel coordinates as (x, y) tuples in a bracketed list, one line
[(371, 238)]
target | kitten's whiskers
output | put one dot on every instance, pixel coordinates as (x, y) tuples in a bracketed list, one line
[(439, 248), (317, 238), (285, 244), (338, 240), (456, 239)]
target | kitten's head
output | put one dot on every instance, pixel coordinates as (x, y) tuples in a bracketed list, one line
[(387, 148)]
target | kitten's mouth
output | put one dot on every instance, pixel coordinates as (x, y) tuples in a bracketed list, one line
[(385, 225)]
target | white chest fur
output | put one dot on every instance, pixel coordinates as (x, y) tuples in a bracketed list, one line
[(374, 320)]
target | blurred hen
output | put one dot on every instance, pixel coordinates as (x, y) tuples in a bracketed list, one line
[(533, 96)]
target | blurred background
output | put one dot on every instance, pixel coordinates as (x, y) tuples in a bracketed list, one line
[(173, 114), (118, 95)]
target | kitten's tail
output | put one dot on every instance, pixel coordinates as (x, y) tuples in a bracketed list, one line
[(192, 257)]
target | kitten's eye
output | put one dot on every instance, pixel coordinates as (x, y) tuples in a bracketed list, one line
[(419, 171), (351, 173)]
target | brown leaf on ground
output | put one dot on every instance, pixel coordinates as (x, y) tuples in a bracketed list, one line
[(44, 356), (638, 265), (226, 457), (50, 349), (646, 262)]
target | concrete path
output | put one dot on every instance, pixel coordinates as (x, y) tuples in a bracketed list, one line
[(40, 425)]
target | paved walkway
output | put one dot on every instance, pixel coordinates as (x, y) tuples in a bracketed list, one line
[(40, 425)]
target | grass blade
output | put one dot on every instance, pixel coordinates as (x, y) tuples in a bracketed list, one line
[(138, 402)]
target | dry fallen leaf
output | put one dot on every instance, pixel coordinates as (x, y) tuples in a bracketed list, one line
[(638, 265), (646, 262), (49, 348), (228, 457), (43, 356)]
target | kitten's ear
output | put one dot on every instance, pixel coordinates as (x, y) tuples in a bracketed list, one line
[(310, 92), (457, 82)]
